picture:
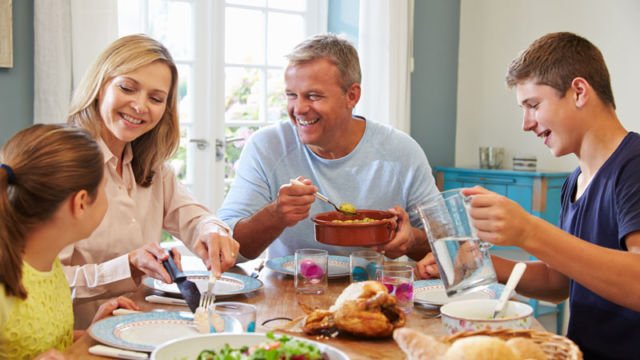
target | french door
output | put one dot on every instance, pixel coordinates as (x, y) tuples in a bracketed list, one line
[(230, 57)]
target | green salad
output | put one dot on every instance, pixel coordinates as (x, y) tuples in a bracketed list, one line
[(275, 348)]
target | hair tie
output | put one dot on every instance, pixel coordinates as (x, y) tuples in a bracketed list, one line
[(10, 174)]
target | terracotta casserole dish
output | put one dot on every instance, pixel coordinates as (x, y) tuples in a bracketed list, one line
[(352, 230)]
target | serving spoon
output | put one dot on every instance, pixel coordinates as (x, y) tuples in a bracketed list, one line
[(319, 196), (512, 282)]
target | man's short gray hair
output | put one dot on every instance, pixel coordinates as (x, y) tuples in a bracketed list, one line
[(334, 48)]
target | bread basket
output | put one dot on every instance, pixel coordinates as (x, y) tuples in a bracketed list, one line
[(556, 347)]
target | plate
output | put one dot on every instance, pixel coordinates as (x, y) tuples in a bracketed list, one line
[(431, 292), (338, 265), (189, 348), (145, 331), (228, 285)]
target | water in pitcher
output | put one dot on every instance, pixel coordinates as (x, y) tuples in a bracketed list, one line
[(463, 263)]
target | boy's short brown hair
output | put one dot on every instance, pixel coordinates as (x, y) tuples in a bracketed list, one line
[(556, 59)]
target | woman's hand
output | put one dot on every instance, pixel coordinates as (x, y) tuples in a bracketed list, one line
[(107, 308), (217, 249), (148, 260)]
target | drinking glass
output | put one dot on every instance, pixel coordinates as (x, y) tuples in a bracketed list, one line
[(311, 268), (363, 264), (231, 316), (462, 258), (399, 281)]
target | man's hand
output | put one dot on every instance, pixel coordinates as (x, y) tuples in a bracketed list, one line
[(217, 249), (403, 239), (294, 201)]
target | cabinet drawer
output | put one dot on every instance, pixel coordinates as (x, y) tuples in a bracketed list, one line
[(481, 180)]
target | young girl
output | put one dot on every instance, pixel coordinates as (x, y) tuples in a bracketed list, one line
[(51, 195)]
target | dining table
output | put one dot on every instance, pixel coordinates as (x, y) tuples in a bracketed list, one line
[(277, 301)]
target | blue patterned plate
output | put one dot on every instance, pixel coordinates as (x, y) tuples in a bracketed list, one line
[(228, 285), (338, 265), (431, 293), (145, 331)]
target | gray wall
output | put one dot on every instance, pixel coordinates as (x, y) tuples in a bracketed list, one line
[(434, 79), (343, 18), (16, 84)]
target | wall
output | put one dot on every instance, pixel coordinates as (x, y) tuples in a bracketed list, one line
[(16, 84), (492, 32), (343, 18), (433, 82)]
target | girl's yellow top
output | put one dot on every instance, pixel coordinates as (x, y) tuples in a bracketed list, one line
[(44, 320)]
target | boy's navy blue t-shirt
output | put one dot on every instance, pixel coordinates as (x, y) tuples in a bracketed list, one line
[(607, 211)]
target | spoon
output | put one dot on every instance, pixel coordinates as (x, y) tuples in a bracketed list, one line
[(514, 278), (319, 196)]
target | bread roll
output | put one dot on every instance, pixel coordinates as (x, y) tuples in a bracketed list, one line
[(479, 348), (526, 349), (419, 346)]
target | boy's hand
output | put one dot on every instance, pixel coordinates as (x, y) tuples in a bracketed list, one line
[(427, 268)]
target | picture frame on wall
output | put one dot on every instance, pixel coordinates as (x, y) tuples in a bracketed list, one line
[(6, 34)]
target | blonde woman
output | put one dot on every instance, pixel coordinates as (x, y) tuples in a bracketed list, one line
[(128, 102), (51, 195)]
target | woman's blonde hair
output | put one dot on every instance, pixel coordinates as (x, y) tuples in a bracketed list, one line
[(123, 56), (41, 167)]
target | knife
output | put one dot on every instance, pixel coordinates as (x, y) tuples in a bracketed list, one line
[(113, 352), (165, 300), (187, 288)]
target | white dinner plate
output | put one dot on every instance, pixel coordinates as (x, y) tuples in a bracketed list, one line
[(431, 292), (338, 265), (190, 348), (145, 331), (228, 285)]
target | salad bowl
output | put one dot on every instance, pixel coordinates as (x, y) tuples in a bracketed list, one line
[(190, 348)]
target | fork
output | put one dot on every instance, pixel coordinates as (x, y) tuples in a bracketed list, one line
[(208, 297)]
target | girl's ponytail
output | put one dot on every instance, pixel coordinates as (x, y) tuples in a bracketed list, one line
[(41, 167)]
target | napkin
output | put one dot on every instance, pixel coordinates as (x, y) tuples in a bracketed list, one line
[(165, 300), (113, 352)]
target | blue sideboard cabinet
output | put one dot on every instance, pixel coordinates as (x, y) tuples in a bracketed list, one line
[(536, 191)]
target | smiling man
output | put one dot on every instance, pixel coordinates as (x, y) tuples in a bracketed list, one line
[(563, 87), (328, 149)]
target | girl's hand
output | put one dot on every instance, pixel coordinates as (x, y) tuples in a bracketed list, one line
[(51, 355), (107, 308)]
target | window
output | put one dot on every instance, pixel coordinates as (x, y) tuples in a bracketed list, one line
[(230, 57)]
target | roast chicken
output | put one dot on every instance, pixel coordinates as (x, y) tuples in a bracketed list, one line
[(363, 309)]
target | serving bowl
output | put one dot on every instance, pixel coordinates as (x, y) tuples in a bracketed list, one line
[(477, 314), (189, 348), (335, 228)]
